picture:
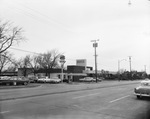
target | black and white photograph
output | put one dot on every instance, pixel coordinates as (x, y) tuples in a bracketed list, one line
[(74, 59)]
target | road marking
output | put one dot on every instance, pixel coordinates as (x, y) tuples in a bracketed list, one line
[(4, 112), (77, 106), (119, 99), (85, 96)]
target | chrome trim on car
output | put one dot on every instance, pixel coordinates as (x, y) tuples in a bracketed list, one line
[(139, 94)]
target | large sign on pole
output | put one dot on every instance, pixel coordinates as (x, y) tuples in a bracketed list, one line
[(81, 62), (95, 44)]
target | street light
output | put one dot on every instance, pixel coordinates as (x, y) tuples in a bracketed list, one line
[(145, 68), (119, 61), (62, 61), (95, 45), (129, 3)]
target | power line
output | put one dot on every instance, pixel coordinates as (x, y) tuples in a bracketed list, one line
[(44, 15), (24, 50), (36, 15)]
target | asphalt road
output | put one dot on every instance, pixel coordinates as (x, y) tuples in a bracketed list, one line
[(105, 102)]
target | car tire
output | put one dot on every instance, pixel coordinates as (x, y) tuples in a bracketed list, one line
[(139, 97)]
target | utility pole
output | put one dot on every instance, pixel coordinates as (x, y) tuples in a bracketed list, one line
[(62, 61), (119, 61), (130, 66), (145, 68), (129, 3), (95, 45)]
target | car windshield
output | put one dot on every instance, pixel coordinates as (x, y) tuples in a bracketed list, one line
[(54, 78), (87, 77), (145, 84)]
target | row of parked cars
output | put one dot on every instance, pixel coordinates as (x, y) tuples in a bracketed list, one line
[(14, 80), (48, 80), (90, 79), (58, 80)]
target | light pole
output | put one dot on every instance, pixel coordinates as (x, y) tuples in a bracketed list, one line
[(119, 61), (95, 45), (62, 61), (130, 67), (129, 3), (145, 68)]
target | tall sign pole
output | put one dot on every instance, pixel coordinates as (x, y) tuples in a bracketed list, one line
[(62, 61), (95, 45)]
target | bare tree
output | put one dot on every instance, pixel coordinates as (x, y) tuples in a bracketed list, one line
[(9, 35), (45, 61), (5, 60), (25, 63), (49, 60), (31, 62), (35, 63)]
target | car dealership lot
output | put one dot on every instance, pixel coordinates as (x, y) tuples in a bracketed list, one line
[(74, 101)]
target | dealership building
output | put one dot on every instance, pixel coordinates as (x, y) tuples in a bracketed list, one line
[(73, 72)]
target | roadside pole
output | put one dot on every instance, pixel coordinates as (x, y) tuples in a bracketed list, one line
[(62, 61), (95, 45)]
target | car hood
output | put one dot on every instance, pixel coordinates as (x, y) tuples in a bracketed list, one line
[(142, 89)]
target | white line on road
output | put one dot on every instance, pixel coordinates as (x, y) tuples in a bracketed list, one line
[(86, 95), (119, 99), (4, 112), (77, 106)]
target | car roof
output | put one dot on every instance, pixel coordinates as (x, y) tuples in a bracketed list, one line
[(145, 81)]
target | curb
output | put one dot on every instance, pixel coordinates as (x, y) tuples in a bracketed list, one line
[(15, 87)]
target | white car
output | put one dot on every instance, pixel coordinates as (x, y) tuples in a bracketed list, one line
[(143, 90), (87, 79), (47, 80), (5, 78), (55, 80), (41, 80)]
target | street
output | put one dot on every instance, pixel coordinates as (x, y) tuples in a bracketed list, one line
[(94, 102)]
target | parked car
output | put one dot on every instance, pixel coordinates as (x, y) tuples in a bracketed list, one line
[(5, 78), (143, 90), (15, 80), (55, 80), (33, 79), (41, 79), (66, 80), (98, 79), (47, 80), (87, 79)]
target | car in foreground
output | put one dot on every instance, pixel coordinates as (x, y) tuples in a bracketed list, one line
[(143, 90)]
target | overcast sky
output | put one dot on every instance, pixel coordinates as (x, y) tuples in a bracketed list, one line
[(69, 26)]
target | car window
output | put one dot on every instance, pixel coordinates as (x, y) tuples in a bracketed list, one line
[(145, 84)]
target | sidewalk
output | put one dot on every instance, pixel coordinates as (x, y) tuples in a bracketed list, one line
[(19, 86), (50, 89)]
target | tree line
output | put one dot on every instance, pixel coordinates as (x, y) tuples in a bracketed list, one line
[(10, 36)]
